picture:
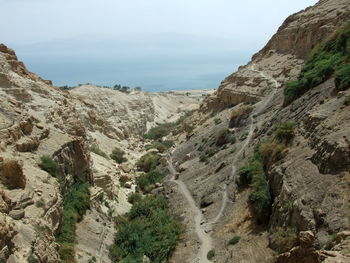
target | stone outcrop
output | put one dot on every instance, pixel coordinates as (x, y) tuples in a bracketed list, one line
[(11, 174)]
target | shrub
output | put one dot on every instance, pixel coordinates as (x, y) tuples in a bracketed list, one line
[(148, 162), (271, 152), (285, 132), (134, 198), (160, 146), (217, 121), (261, 196), (283, 239), (224, 137), (331, 56), (118, 155), (347, 100), (149, 230), (149, 179), (203, 158), (342, 78), (94, 148), (158, 132), (211, 254), (49, 165), (76, 202), (238, 114), (234, 240)]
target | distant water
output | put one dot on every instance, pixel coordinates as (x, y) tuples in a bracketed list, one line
[(154, 71)]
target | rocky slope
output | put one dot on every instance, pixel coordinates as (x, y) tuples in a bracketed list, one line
[(308, 186), (38, 119)]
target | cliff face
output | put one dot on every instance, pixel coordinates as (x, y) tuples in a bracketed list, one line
[(307, 178), (38, 119), (283, 55)]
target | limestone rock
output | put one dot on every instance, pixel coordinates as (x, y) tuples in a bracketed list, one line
[(27, 144), (17, 214), (11, 174)]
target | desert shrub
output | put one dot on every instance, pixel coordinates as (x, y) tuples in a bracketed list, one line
[(149, 230), (285, 132), (217, 121), (347, 100), (329, 58), (342, 78), (118, 155), (160, 146), (253, 167), (234, 240), (76, 202), (95, 149), (261, 196), (49, 165), (225, 136), (134, 198), (149, 179), (203, 158), (148, 162), (158, 132), (271, 152), (283, 239), (238, 114), (211, 254)]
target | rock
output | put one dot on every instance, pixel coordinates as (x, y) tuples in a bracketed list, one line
[(5, 203), (125, 168), (17, 214), (26, 144), (128, 185), (152, 151), (11, 174), (145, 259), (184, 166)]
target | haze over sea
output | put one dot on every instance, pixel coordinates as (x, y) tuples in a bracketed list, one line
[(155, 62)]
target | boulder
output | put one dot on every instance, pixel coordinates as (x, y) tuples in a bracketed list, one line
[(26, 144), (11, 174), (125, 168), (17, 214)]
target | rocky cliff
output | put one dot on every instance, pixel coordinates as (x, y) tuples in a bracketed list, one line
[(300, 212), (37, 120)]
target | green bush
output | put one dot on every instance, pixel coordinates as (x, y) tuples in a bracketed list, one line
[(285, 132), (76, 202), (217, 121), (261, 196), (347, 100), (94, 148), (49, 165), (134, 198), (160, 146), (211, 254), (158, 132), (224, 137), (234, 240), (148, 162), (147, 181), (203, 158), (253, 167), (271, 152), (284, 239), (329, 58), (149, 230), (118, 155)]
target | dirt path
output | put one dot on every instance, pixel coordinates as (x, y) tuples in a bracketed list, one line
[(203, 229)]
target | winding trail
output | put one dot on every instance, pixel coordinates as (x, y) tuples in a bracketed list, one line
[(203, 229)]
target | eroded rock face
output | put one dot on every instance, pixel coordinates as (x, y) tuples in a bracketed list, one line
[(11, 174)]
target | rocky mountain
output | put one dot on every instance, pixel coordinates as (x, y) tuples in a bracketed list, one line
[(259, 172)]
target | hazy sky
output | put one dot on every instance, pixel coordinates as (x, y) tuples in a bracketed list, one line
[(43, 31)]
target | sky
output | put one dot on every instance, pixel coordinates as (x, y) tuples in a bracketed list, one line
[(151, 43)]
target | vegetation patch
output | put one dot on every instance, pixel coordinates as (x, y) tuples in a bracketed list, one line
[(211, 254), (161, 146), (49, 165), (95, 149), (233, 241), (217, 121), (148, 229), (347, 100), (283, 239), (147, 181), (76, 202), (148, 162), (285, 132), (118, 155), (224, 137), (330, 58)]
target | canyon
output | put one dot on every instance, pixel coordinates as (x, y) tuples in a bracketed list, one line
[(228, 143)]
